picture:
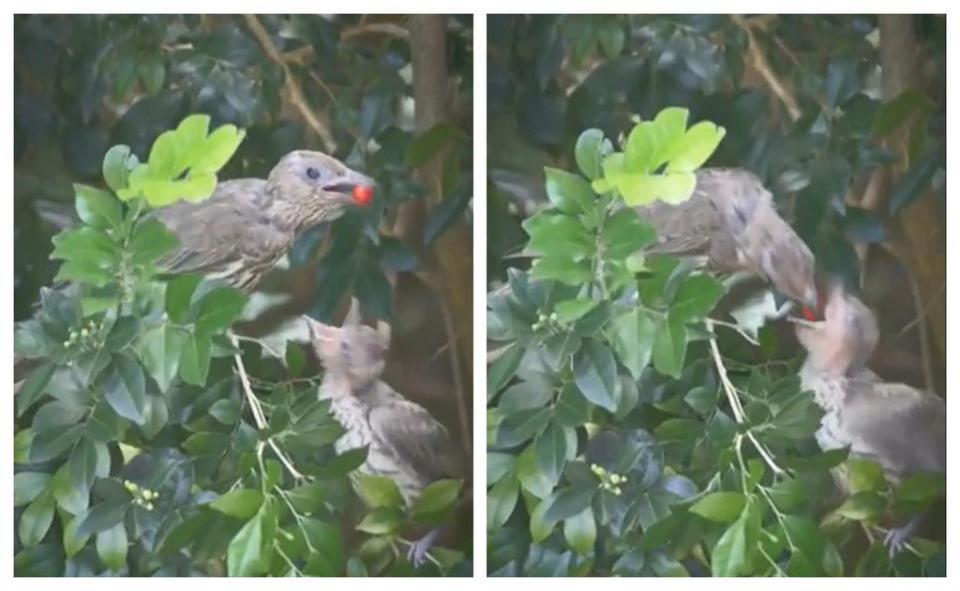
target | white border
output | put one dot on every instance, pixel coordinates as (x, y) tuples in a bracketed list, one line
[(479, 8)]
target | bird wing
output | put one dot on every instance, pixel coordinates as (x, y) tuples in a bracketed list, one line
[(408, 432), (901, 427), (229, 231)]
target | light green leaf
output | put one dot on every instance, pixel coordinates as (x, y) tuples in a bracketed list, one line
[(670, 346), (36, 520), (97, 208), (632, 337), (436, 498), (570, 310), (723, 507), (570, 193), (112, 547), (378, 491), (242, 503), (580, 531)]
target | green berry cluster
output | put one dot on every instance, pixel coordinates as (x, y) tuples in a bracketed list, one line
[(84, 337), (141, 496), (548, 321), (610, 481)]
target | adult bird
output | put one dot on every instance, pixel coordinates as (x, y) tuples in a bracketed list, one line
[(901, 428), (730, 219), (247, 225), (404, 442)]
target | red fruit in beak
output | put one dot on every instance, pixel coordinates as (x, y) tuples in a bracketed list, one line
[(808, 313), (362, 195)]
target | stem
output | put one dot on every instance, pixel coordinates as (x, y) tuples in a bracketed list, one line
[(734, 401)]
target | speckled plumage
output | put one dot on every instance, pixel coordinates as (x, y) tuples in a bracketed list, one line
[(730, 219), (405, 442), (247, 225), (901, 428)]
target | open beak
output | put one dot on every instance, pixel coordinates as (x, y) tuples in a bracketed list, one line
[(349, 185)]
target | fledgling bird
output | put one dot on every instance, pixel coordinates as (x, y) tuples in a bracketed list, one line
[(404, 442), (901, 428), (247, 225), (731, 220)]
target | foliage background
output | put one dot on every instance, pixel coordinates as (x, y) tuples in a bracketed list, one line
[(842, 117), (388, 95)]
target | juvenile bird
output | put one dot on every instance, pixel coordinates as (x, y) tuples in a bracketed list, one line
[(247, 225), (404, 442), (730, 219), (901, 428)]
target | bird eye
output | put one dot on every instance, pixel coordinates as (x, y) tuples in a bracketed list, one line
[(313, 173)]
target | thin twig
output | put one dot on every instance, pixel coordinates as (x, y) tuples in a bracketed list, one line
[(257, 410), (454, 354), (763, 67), (746, 336), (923, 335), (731, 392), (297, 98), (389, 29), (923, 312), (262, 344)]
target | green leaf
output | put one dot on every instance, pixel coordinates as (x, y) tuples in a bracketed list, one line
[(723, 507), (378, 491), (218, 309), (501, 370), (589, 152), (195, 359), (695, 148), (595, 373), (912, 184), (423, 148), (612, 39), (112, 547), (558, 235), (242, 503), (73, 542), (862, 505), (499, 465), (155, 416), (34, 386), (571, 310), (218, 149), (35, 520), (895, 112), (179, 293), (125, 389), (246, 554), (226, 411), (632, 337), (160, 350), (551, 451), (27, 486), (381, 521), (436, 498), (97, 208), (864, 475), (695, 298), (570, 193), (88, 245), (564, 270), (626, 233), (580, 531), (570, 501), (734, 551), (150, 241), (21, 446), (670, 346), (501, 501), (117, 164), (82, 466), (327, 540), (532, 479), (103, 516), (152, 73), (520, 426), (572, 409)]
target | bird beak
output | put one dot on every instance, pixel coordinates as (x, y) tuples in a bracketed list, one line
[(346, 184), (802, 322)]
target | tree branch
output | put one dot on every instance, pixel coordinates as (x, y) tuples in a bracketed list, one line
[(762, 66), (291, 86)]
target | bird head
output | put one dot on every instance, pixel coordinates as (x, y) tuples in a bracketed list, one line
[(320, 186), (845, 338), (789, 264), (352, 352)]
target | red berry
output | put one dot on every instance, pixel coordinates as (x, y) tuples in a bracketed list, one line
[(362, 194), (808, 313)]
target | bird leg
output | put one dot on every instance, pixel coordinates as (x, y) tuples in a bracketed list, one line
[(417, 554), (897, 537)]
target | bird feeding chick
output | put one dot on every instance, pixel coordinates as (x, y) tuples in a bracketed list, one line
[(247, 225), (731, 220), (404, 442), (901, 428)]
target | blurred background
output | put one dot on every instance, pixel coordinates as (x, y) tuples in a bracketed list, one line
[(842, 117), (387, 95)]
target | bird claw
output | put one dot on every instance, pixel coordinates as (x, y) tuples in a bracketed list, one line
[(417, 552), (896, 537)]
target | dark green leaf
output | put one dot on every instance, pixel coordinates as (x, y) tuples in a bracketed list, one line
[(521, 426), (570, 501), (195, 359), (27, 486), (112, 547), (570, 193), (595, 373), (632, 337), (580, 531), (912, 184), (35, 520), (34, 386), (501, 500), (427, 144), (125, 389), (501, 370), (160, 350), (670, 346), (103, 516), (180, 290)]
